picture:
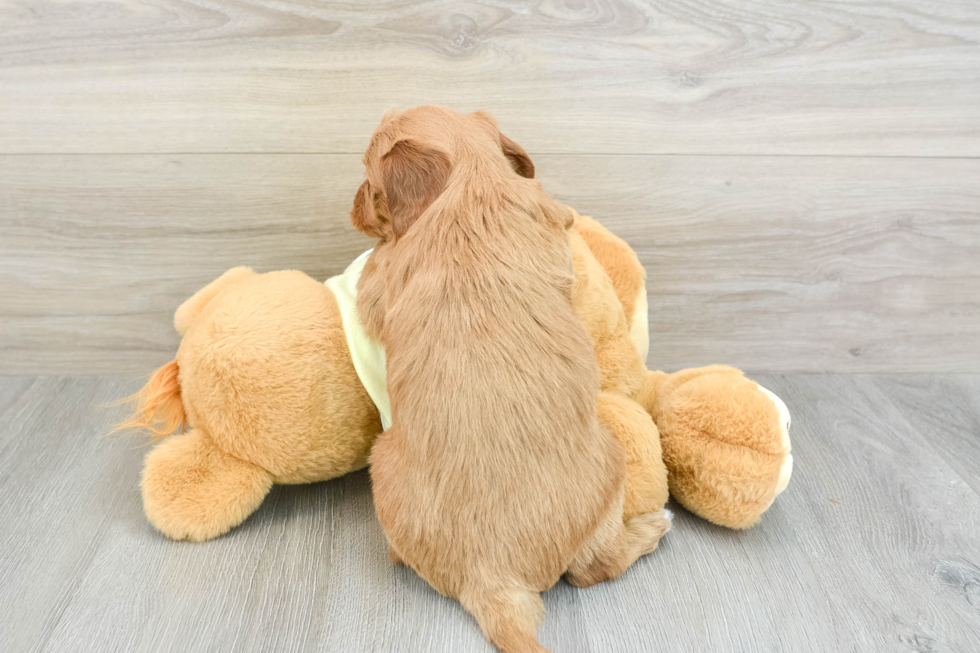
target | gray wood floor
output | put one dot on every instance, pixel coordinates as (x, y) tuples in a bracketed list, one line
[(875, 546)]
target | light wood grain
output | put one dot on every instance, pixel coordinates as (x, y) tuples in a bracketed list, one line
[(955, 434), (563, 76), (775, 263), (62, 485), (803, 264), (99, 251), (871, 548)]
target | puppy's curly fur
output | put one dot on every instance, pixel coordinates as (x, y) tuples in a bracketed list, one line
[(495, 477)]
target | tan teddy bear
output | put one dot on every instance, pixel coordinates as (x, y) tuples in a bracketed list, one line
[(274, 389)]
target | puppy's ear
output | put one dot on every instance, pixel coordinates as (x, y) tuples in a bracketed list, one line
[(364, 216), (519, 160), (413, 175)]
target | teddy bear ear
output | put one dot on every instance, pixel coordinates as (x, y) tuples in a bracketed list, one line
[(519, 160), (413, 175)]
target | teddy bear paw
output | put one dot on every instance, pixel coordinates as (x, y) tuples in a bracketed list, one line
[(784, 423)]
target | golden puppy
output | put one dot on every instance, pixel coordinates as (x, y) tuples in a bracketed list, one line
[(495, 477)]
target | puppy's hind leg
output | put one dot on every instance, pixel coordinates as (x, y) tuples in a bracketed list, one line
[(509, 617), (614, 546)]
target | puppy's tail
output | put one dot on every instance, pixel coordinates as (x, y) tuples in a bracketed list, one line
[(509, 617), (159, 408)]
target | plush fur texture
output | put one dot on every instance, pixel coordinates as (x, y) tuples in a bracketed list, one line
[(617, 260), (721, 469), (171, 473), (595, 297), (723, 440), (268, 386), (495, 476)]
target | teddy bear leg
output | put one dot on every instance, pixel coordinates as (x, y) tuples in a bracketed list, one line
[(646, 476), (194, 491), (725, 441)]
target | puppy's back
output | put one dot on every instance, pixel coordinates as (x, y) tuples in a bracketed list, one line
[(496, 412)]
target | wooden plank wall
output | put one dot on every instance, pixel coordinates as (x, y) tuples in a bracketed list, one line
[(801, 179)]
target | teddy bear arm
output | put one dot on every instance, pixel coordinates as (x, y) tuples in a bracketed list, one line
[(618, 260), (646, 476)]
